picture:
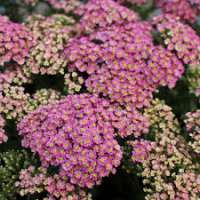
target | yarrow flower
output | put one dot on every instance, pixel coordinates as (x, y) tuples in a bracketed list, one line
[(66, 5), (12, 95), (168, 169), (75, 134), (15, 102), (3, 136), (181, 8), (192, 122), (36, 180), (46, 56), (97, 14), (42, 97), (195, 3), (16, 40), (135, 2), (126, 67), (141, 149), (179, 38), (73, 82)]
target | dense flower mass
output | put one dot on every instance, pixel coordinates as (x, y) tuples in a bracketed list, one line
[(193, 127), (3, 137), (195, 3), (42, 97), (136, 2), (12, 95), (46, 56), (126, 67), (73, 82), (168, 171), (15, 102), (179, 37), (15, 42), (141, 149), (66, 5), (36, 180), (181, 8), (97, 14), (79, 88), (76, 134)]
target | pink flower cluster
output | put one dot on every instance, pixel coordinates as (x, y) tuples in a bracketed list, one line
[(182, 40), (66, 5), (3, 137), (31, 180), (136, 2), (36, 180), (76, 134), (195, 3), (141, 149), (59, 186), (15, 42), (193, 127), (97, 14), (126, 67), (88, 53), (179, 37), (181, 8)]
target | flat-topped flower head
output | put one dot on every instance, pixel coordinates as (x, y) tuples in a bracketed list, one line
[(46, 56), (76, 134), (134, 2), (37, 180), (97, 14), (141, 149), (16, 41), (165, 162), (125, 67), (65, 5), (179, 38), (181, 8)]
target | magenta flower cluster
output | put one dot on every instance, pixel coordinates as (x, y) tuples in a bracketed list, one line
[(15, 41), (110, 63), (141, 150), (184, 9), (195, 3), (126, 67), (97, 14), (179, 38), (76, 134), (135, 2), (66, 5)]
